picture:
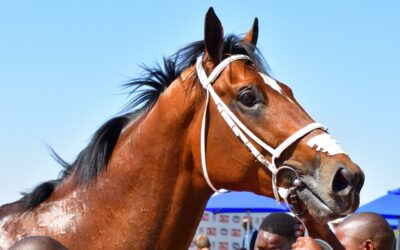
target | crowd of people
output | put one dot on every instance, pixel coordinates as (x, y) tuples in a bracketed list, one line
[(281, 231)]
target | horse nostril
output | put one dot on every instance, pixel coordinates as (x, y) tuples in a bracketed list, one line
[(360, 182), (343, 179)]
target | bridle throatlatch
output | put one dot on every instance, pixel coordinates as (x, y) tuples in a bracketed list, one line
[(323, 142)]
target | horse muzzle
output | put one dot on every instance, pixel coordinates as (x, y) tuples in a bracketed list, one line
[(329, 198)]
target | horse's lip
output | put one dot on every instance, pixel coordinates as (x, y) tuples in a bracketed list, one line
[(315, 198)]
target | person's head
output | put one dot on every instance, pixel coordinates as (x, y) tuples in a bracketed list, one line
[(365, 231), (202, 242), (277, 231), (245, 221), (38, 243)]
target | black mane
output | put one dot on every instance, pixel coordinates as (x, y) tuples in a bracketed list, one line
[(146, 90)]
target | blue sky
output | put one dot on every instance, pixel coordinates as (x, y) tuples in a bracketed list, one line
[(62, 65)]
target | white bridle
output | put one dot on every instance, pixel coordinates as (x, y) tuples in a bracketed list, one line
[(322, 142)]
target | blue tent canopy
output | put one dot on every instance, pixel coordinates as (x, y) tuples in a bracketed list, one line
[(388, 206), (242, 202)]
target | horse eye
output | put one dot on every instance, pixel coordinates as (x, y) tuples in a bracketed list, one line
[(248, 98)]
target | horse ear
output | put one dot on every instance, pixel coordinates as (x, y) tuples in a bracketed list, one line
[(252, 36), (213, 36)]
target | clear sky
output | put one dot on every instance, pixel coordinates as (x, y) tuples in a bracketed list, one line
[(62, 65)]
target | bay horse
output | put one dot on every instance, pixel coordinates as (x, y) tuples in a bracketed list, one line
[(144, 179)]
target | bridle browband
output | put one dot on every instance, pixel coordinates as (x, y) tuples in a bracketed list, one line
[(322, 142)]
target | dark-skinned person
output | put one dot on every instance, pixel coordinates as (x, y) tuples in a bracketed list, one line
[(368, 231), (277, 231), (202, 242), (37, 243)]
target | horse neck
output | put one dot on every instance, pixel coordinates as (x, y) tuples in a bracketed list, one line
[(154, 166)]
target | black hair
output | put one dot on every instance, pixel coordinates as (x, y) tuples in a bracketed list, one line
[(280, 223)]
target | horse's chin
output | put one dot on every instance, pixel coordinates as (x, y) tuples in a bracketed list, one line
[(321, 207)]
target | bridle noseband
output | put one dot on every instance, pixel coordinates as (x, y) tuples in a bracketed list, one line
[(322, 142)]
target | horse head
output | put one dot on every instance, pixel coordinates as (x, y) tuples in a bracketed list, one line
[(257, 137)]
